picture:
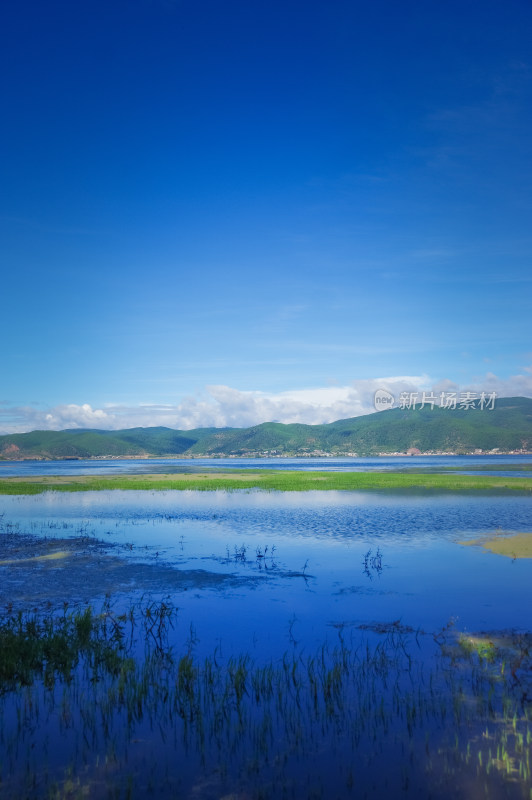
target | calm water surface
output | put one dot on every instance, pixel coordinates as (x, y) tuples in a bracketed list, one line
[(278, 576), (331, 558), (174, 465)]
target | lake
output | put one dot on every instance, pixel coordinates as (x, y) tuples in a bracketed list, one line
[(314, 568), (268, 574), (497, 463)]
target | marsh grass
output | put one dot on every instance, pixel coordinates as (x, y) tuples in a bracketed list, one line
[(278, 480), (50, 647), (99, 704)]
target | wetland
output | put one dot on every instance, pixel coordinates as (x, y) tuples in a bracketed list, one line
[(247, 643)]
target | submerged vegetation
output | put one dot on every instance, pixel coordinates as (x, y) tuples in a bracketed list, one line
[(96, 704), (279, 480)]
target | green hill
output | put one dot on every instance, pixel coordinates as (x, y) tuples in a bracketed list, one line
[(507, 427)]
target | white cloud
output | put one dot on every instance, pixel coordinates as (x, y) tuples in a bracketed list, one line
[(222, 406), (75, 416), (19, 419)]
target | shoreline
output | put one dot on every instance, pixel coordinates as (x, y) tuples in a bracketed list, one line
[(262, 456)]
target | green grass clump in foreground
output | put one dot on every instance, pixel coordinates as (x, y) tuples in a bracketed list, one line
[(278, 480)]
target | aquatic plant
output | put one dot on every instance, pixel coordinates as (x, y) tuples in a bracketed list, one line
[(104, 703), (33, 646), (372, 563)]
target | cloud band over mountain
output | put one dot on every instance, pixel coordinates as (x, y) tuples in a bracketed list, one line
[(222, 406)]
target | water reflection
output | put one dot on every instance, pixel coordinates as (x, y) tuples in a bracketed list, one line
[(310, 636), (338, 556), (179, 465)]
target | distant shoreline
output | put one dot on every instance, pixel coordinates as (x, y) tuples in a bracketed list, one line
[(217, 457)]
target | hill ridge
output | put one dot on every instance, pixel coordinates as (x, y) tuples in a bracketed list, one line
[(507, 428)]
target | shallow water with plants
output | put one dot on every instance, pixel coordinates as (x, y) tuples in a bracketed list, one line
[(264, 644)]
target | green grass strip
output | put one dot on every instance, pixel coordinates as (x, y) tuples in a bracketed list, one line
[(278, 480)]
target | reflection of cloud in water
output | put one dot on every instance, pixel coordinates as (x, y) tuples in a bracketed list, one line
[(159, 538)]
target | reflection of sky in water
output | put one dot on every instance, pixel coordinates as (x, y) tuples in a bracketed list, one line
[(175, 465), (426, 577)]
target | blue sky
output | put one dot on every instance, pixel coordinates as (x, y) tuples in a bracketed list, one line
[(222, 213)]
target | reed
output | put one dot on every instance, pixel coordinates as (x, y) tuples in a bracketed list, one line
[(101, 703)]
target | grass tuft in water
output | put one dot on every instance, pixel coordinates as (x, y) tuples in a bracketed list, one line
[(97, 704)]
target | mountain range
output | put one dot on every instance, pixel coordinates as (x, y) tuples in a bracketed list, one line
[(507, 427)]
